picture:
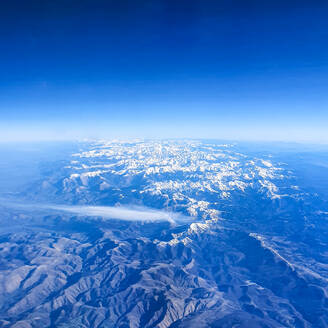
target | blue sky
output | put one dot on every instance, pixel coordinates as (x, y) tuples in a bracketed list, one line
[(242, 70)]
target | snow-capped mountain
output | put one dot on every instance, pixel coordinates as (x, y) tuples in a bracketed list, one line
[(180, 175), (222, 237)]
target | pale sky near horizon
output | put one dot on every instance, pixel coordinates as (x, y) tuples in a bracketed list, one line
[(239, 70)]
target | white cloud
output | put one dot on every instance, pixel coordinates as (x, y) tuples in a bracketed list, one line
[(120, 212), (127, 213)]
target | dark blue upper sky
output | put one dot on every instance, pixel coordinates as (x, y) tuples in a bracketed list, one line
[(162, 68)]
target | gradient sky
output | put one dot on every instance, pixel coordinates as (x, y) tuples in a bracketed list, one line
[(241, 70)]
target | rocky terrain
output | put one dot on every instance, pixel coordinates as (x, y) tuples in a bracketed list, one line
[(235, 240)]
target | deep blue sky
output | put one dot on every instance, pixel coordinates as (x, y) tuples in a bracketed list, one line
[(161, 68)]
